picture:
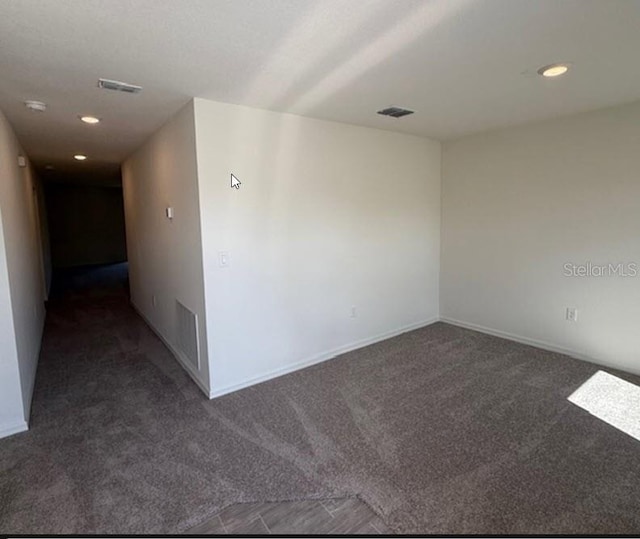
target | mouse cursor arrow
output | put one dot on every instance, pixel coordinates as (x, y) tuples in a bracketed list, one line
[(235, 182)]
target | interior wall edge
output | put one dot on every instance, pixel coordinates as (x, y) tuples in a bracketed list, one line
[(165, 252)]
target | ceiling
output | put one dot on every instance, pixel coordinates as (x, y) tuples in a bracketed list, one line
[(463, 65)]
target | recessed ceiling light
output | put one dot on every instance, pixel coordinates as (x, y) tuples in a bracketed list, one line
[(90, 119), (553, 70), (79, 157)]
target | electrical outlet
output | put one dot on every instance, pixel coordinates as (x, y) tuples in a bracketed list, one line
[(223, 259), (572, 314), (354, 312)]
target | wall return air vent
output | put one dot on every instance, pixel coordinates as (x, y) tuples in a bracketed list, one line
[(188, 335), (395, 112), (118, 86)]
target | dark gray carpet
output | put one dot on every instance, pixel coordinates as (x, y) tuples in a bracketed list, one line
[(441, 430)]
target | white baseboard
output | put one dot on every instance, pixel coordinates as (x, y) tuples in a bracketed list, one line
[(8, 430), (319, 358), (544, 345), (186, 366)]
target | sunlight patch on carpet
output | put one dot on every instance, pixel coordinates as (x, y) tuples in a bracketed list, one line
[(611, 399)]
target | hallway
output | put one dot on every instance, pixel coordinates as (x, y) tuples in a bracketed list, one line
[(107, 450)]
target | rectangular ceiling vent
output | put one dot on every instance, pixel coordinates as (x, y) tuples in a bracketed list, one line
[(188, 335), (395, 112), (119, 86)]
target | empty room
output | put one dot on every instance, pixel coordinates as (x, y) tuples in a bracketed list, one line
[(324, 267)]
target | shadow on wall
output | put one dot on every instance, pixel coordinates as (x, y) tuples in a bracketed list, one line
[(86, 224)]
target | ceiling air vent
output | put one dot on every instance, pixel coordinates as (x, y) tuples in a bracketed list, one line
[(395, 112), (119, 86)]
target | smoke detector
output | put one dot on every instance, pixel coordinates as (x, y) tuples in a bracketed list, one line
[(37, 106), (118, 86), (395, 112)]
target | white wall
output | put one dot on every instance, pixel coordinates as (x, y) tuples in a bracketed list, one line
[(165, 257), (518, 204), (328, 216), (21, 285), (12, 418)]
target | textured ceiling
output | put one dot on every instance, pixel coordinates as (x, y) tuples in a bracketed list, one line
[(463, 65)]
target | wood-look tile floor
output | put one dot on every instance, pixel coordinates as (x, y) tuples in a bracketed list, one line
[(335, 516)]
